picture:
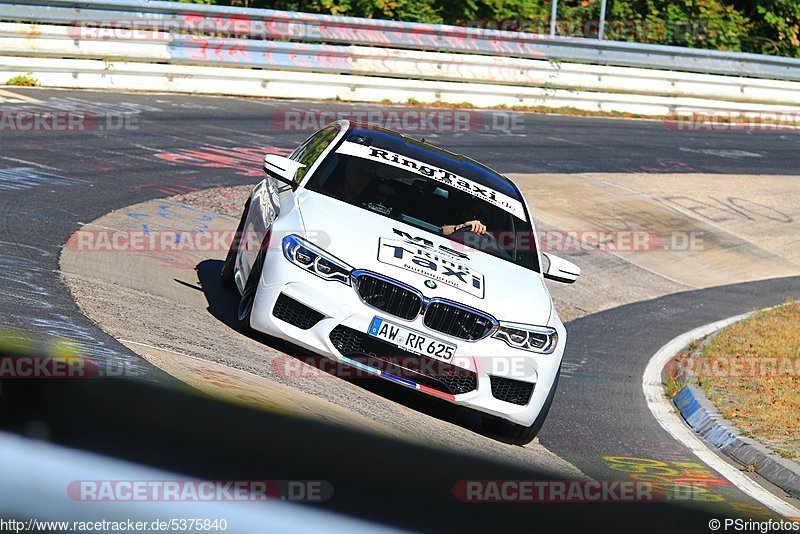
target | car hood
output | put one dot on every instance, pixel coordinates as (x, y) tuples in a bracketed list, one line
[(432, 264)]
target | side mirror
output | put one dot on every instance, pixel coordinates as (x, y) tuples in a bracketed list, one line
[(282, 169), (559, 269)]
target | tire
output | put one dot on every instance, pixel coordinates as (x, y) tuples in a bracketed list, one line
[(248, 297), (518, 434), (226, 276)]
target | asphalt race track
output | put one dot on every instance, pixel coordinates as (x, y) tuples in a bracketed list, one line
[(52, 182), (602, 411)]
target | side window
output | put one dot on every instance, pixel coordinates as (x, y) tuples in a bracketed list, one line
[(308, 152)]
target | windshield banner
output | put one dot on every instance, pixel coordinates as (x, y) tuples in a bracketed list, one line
[(504, 202)]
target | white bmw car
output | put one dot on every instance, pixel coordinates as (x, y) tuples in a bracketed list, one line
[(407, 262)]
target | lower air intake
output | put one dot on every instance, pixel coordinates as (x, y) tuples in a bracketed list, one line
[(296, 313), (513, 391)]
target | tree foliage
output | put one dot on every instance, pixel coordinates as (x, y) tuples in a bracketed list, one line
[(765, 27), (775, 26)]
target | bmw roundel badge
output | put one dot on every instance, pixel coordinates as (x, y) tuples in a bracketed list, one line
[(430, 284)]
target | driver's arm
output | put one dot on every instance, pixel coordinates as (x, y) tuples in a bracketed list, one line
[(474, 226)]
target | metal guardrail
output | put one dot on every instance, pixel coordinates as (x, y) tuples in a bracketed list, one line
[(168, 77), (182, 49), (271, 24), (362, 59)]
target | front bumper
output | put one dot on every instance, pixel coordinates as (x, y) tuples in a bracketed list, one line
[(343, 311)]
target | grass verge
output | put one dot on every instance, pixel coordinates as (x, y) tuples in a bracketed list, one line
[(751, 372)]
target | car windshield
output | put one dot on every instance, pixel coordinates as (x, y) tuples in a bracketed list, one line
[(438, 202)]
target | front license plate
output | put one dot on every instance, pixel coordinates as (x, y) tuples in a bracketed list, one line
[(411, 340)]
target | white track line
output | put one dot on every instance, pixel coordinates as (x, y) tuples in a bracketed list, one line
[(665, 413)]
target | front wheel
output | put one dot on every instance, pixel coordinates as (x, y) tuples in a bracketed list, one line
[(518, 434), (227, 278), (249, 294)]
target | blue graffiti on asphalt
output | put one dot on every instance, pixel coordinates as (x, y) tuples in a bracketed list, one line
[(174, 216), (17, 178)]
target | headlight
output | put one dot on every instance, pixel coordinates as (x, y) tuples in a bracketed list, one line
[(315, 260), (541, 339)]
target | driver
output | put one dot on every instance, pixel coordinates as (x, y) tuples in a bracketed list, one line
[(475, 210), (358, 174)]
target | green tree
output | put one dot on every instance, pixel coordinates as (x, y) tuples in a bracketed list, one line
[(494, 11), (776, 26), (406, 10), (769, 26), (694, 23)]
